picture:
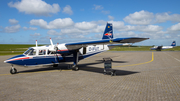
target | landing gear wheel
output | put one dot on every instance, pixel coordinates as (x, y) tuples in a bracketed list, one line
[(13, 71), (75, 68), (55, 65)]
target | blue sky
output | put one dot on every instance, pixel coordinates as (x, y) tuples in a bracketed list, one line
[(24, 21)]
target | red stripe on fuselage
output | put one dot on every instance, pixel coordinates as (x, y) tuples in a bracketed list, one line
[(21, 58), (63, 50)]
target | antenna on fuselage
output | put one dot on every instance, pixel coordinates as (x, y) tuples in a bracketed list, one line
[(36, 44)]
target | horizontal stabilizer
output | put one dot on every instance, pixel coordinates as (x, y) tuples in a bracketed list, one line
[(129, 40)]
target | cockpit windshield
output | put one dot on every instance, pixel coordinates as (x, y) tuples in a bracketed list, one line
[(30, 51)]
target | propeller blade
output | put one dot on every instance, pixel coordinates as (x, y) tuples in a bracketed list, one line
[(36, 44), (51, 42)]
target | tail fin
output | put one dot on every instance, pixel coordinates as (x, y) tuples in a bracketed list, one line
[(108, 32), (173, 43)]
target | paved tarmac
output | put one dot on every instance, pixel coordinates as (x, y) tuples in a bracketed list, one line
[(140, 76)]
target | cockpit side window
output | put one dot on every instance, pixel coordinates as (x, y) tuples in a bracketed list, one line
[(30, 52)]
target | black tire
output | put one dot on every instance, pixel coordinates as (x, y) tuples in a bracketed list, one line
[(55, 65), (13, 71), (75, 68)]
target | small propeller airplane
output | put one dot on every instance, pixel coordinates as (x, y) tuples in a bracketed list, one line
[(68, 52), (159, 48)]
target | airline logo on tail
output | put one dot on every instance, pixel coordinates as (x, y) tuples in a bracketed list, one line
[(173, 43), (108, 34)]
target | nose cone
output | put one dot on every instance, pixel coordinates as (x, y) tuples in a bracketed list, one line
[(15, 58)]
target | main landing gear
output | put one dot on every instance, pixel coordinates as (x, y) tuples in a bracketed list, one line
[(75, 68), (76, 59), (13, 70)]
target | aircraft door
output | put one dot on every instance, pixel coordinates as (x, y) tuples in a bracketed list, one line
[(84, 50)]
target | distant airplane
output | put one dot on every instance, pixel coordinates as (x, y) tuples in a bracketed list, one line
[(159, 48), (68, 52)]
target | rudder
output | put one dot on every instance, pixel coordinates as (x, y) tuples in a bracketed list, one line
[(173, 43), (108, 32)]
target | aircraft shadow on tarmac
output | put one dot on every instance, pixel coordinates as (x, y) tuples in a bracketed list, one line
[(85, 67), (101, 70)]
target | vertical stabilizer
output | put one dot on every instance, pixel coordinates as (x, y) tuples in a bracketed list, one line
[(173, 43), (108, 32)]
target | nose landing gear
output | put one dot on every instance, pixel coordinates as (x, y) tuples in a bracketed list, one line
[(13, 70)]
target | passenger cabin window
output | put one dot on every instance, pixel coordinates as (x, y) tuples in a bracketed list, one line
[(42, 52)]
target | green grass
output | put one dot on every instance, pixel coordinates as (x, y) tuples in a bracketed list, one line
[(13, 49), (16, 49)]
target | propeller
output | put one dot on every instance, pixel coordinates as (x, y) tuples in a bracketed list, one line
[(53, 47), (36, 44)]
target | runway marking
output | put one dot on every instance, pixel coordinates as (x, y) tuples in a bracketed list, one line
[(172, 56), (137, 63)]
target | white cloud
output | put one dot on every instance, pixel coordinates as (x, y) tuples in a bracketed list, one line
[(35, 34), (98, 29), (53, 32), (98, 7), (140, 18), (163, 17), (105, 12), (117, 24), (110, 17), (149, 28), (145, 18), (55, 24), (85, 25), (67, 10), (13, 21), (175, 27), (12, 29), (37, 7), (40, 22), (30, 28), (102, 22), (61, 23), (74, 31)]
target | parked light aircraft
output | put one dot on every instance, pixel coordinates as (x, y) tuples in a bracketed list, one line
[(68, 52), (159, 48)]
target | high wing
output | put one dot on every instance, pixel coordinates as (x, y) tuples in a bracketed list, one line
[(78, 45)]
